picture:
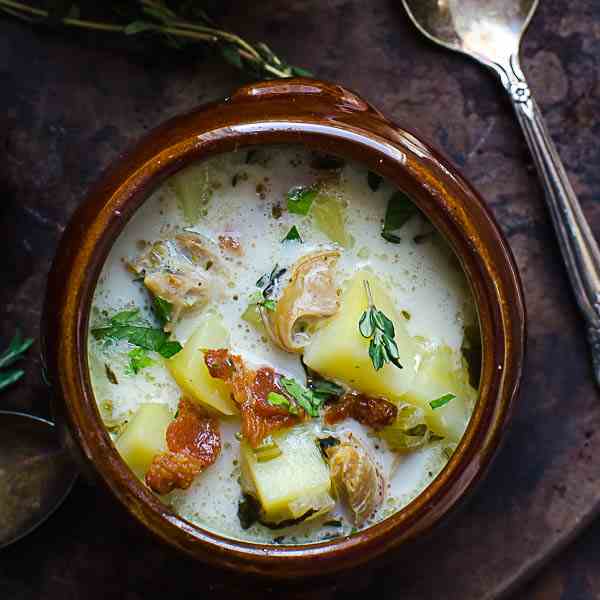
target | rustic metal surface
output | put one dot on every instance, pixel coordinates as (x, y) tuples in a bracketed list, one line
[(70, 104)]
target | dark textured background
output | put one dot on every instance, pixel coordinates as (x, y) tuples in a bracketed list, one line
[(70, 103)]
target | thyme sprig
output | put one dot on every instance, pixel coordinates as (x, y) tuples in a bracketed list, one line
[(177, 28), (376, 326)]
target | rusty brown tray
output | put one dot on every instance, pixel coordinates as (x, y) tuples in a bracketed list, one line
[(70, 105)]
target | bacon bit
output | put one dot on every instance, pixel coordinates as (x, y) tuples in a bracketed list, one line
[(169, 471), (374, 412), (220, 366), (250, 390), (231, 244), (194, 443)]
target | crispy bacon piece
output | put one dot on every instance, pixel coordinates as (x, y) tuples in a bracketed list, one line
[(250, 390), (194, 443), (374, 412), (170, 470), (231, 244)]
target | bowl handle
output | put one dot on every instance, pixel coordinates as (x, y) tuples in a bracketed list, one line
[(296, 88)]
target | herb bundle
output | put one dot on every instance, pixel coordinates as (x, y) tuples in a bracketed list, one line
[(15, 351), (178, 24)]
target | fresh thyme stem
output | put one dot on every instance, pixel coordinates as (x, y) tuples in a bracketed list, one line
[(157, 18), (375, 326), (369, 295)]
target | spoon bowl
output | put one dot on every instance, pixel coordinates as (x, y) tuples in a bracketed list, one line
[(490, 31), (487, 31), (36, 474)]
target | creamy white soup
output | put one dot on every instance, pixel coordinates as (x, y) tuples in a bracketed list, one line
[(282, 347)]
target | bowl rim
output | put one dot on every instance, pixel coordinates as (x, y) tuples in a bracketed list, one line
[(329, 118)]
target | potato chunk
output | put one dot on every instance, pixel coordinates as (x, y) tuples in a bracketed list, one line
[(294, 482), (338, 350), (443, 372), (144, 437), (190, 371)]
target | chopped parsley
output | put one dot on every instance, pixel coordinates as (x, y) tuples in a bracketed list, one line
[(138, 360), (309, 401), (441, 401), (293, 235), (300, 199), (399, 210), (268, 282), (126, 325), (163, 309), (276, 399)]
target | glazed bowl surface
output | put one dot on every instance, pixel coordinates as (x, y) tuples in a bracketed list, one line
[(330, 119)]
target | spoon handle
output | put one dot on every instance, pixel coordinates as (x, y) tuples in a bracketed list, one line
[(577, 244)]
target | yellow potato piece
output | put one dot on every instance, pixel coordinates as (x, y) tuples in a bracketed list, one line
[(191, 373), (144, 437), (443, 371), (294, 482), (338, 350)]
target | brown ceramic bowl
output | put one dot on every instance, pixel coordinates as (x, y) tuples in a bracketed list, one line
[(331, 119)]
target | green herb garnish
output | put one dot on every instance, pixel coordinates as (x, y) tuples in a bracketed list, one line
[(268, 282), (325, 389), (441, 401), (375, 325), (15, 351), (310, 402), (163, 309), (276, 399), (124, 326), (399, 210), (180, 25), (138, 360), (300, 199), (169, 348), (268, 304), (293, 235)]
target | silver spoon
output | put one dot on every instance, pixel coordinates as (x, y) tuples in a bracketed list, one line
[(490, 31), (36, 475)]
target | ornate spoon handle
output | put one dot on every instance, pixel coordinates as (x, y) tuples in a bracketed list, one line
[(577, 244)]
